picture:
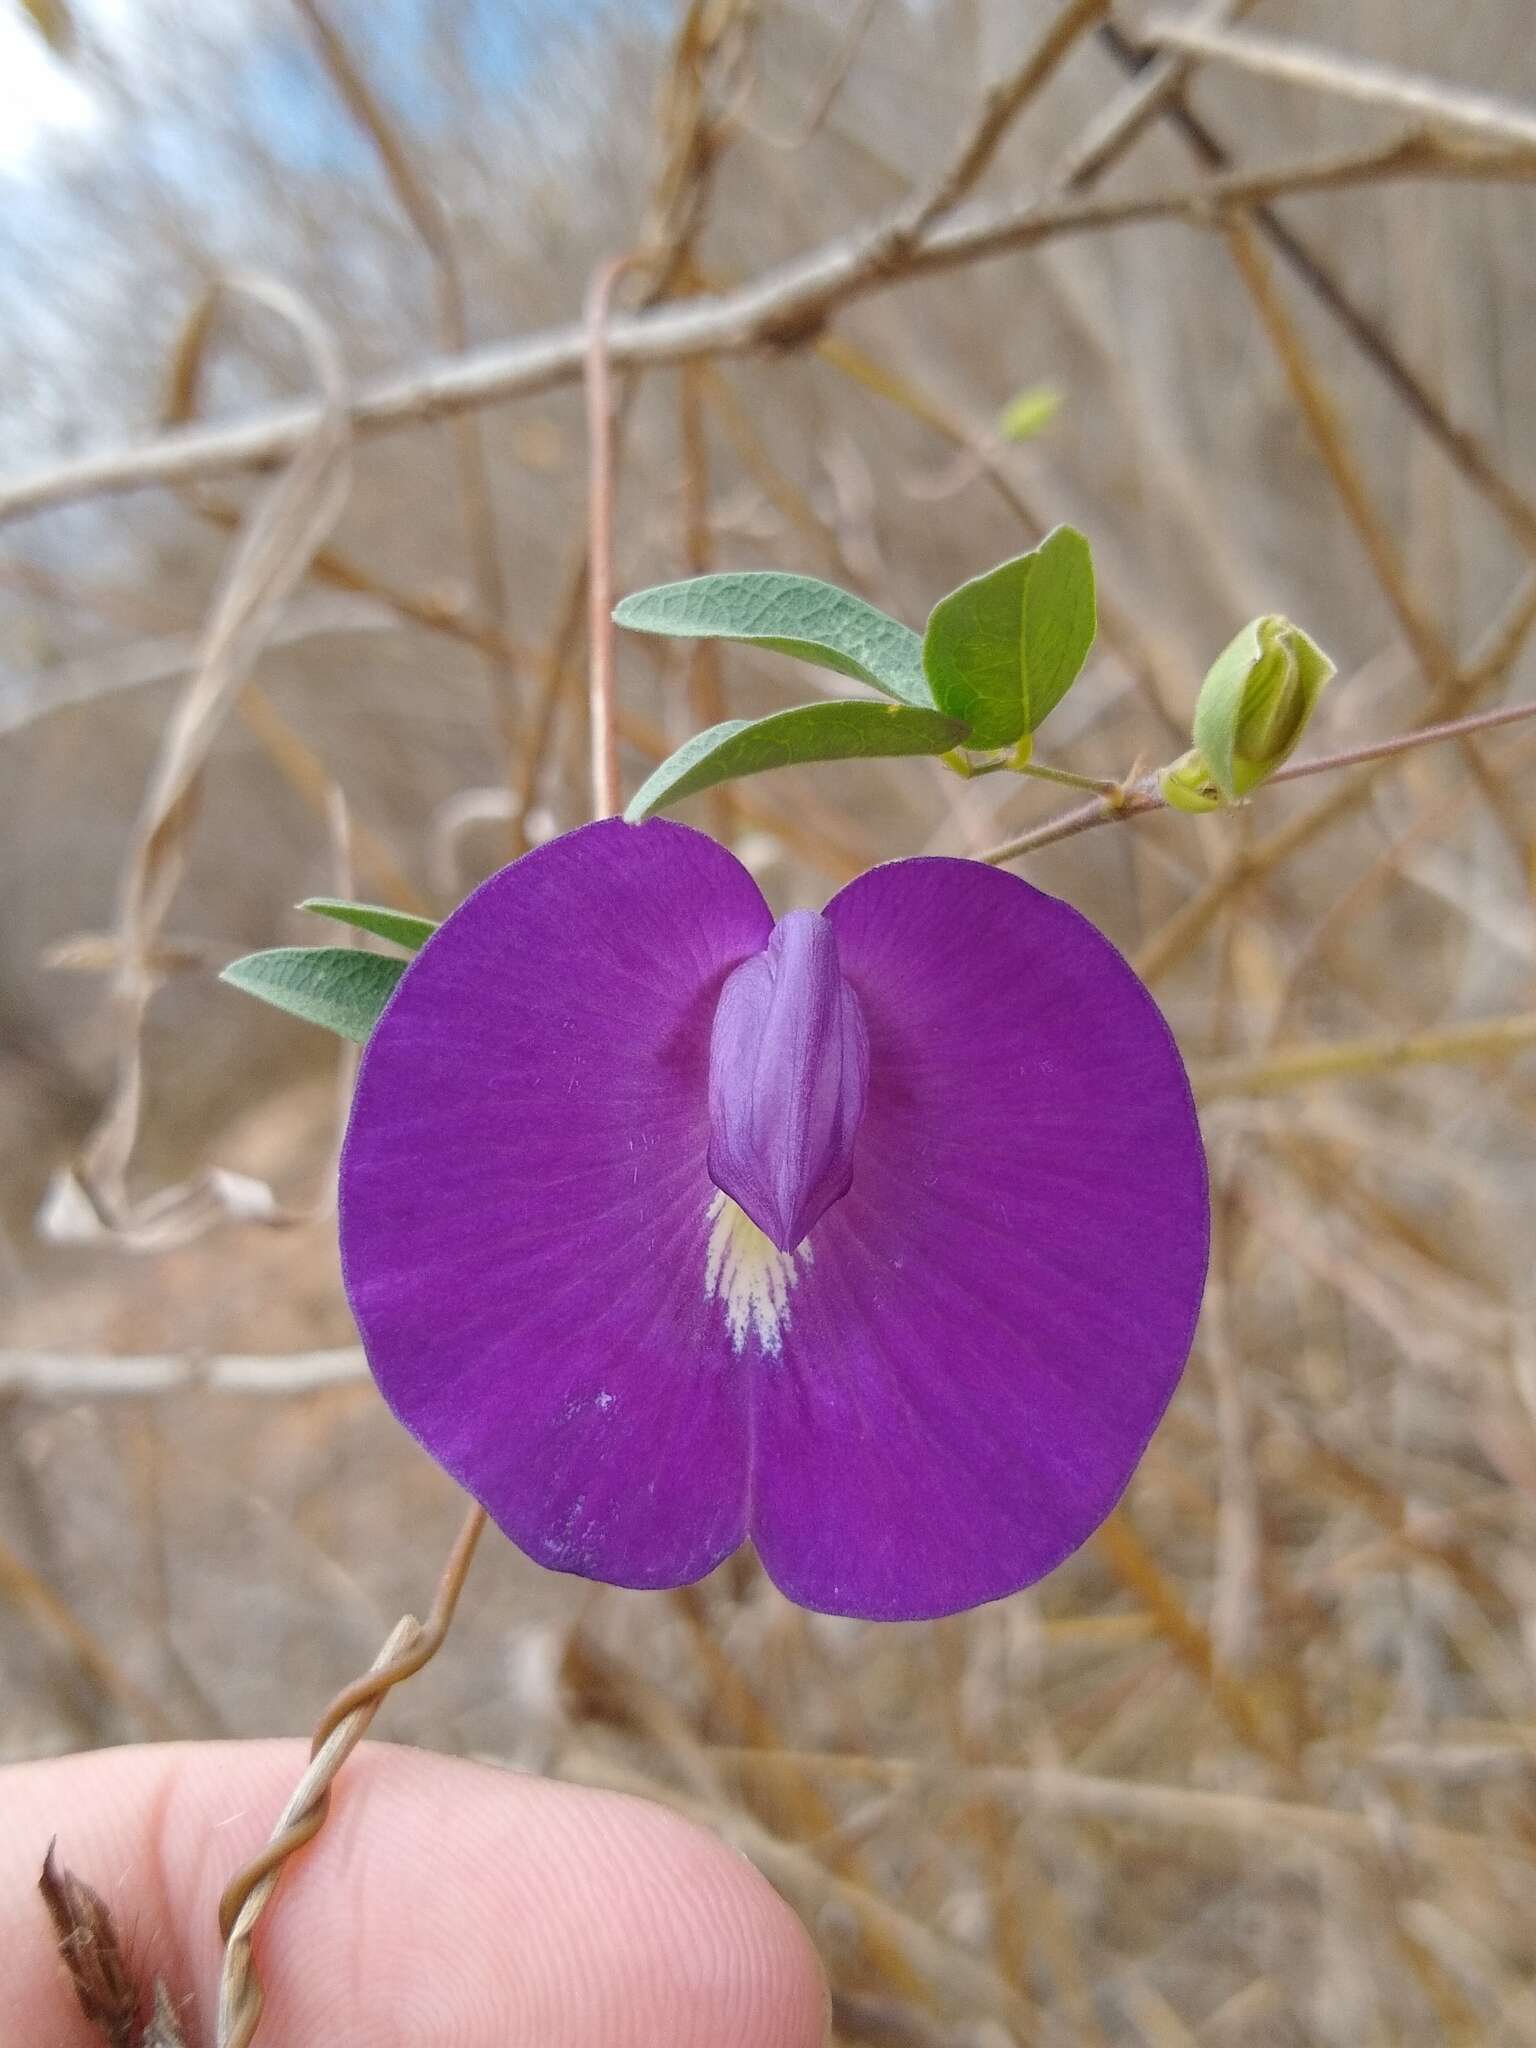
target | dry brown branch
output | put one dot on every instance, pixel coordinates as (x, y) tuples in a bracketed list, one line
[(1316, 405), (1292, 1066), (307, 775), (796, 1871), (1000, 108), (705, 691), (435, 232), (30, 1594), (825, 96), (1463, 448), (796, 1807), (1106, 138), (1432, 649), (294, 759), (304, 771), (1356, 78), (1240, 1702), (701, 91), (1119, 630), (1126, 1803), (691, 138), (795, 299), (95, 1376)]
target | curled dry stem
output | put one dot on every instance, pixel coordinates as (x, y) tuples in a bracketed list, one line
[(410, 1645)]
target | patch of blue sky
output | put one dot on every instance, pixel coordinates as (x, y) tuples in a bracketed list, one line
[(498, 44)]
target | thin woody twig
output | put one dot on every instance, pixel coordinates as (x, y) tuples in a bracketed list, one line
[(1316, 405), (1482, 114), (1118, 629), (1143, 797), (95, 1376), (293, 757), (795, 298), (1157, 81), (410, 1645), (1124, 1800), (704, 684), (599, 388), (1460, 446), (825, 96), (1000, 108), (430, 222), (692, 137), (241, 1998), (31, 1595), (1488, 1038)]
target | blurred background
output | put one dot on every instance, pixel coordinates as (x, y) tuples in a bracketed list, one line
[(1257, 1765)]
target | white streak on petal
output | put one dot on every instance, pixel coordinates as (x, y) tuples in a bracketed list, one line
[(747, 1273)]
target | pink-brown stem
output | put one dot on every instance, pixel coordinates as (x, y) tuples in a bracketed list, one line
[(1142, 797), (599, 391)]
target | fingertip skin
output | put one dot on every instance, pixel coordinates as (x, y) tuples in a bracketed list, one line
[(443, 1905)]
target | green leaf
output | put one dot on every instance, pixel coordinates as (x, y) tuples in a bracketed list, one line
[(798, 615), (330, 985), (846, 730), (1030, 413), (1060, 620), (1002, 650), (400, 927), (973, 652)]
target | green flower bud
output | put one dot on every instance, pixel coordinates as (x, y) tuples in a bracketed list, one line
[(1186, 784), (1255, 703), (1030, 413)]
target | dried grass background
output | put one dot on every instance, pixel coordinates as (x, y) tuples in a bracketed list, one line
[(1257, 1766)]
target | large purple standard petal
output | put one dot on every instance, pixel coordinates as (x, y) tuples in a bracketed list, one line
[(930, 1400), (525, 1203), (995, 1316)]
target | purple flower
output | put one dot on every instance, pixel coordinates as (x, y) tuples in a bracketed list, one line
[(876, 1236)]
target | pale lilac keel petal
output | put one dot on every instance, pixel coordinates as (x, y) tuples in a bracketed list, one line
[(998, 1311), (525, 1204), (788, 1073)]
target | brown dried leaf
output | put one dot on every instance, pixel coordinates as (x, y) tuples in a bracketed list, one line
[(91, 1953), (90, 1199)]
